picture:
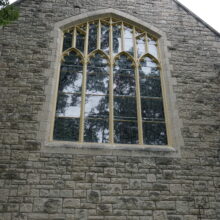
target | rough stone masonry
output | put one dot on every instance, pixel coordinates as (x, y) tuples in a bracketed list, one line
[(38, 185)]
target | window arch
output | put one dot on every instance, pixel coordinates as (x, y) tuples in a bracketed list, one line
[(110, 88)]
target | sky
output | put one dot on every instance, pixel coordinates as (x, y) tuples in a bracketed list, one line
[(208, 10)]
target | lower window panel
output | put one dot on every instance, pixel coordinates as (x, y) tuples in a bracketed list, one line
[(154, 133), (96, 130), (126, 132), (66, 129)]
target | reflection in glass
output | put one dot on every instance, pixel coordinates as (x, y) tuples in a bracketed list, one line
[(67, 41), (72, 59), (66, 129), (80, 39), (154, 133), (152, 47), (97, 84), (92, 37), (105, 38), (97, 106), (68, 105), (98, 64), (152, 109), (123, 65), (125, 108), (125, 132), (150, 86), (128, 40), (117, 39), (148, 68), (70, 79), (124, 85), (96, 131), (141, 46)]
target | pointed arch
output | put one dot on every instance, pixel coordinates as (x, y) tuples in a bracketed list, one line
[(98, 51)]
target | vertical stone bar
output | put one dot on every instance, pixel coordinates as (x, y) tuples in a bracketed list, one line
[(111, 95), (138, 96), (83, 100)]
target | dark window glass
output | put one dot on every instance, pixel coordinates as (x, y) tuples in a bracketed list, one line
[(66, 129), (152, 109), (125, 108), (154, 133), (96, 130), (105, 38), (126, 132), (150, 86), (92, 37), (67, 41), (80, 40)]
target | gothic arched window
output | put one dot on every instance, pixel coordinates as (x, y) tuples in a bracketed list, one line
[(109, 86)]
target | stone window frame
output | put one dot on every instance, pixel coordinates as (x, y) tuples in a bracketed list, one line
[(46, 117)]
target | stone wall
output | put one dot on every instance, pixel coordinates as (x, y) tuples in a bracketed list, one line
[(35, 185)]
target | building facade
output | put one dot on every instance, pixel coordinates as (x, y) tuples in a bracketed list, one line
[(164, 164)]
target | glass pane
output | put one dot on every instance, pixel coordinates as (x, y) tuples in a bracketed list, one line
[(66, 129), (152, 109), (123, 66), (97, 106), (150, 87), (70, 78), (67, 41), (141, 46), (128, 40), (124, 85), (80, 39), (154, 133), (68, 105), (96, 131), (92, 37), (117, 39), (105, 38), (97, 84), (152, 47), (98, 64), (125, 108), (125, 132), (72, 59), (149, 68)]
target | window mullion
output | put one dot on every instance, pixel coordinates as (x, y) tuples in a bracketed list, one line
[(138, 96), (146, 43), (99, 35), (122, 37), (111, 97), (85, 63), (74, 38)]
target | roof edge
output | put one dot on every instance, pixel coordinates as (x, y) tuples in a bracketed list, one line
[(198, 18)]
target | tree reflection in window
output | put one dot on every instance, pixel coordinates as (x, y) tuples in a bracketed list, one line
[(110, 88)]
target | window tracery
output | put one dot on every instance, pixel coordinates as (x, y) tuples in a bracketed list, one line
[(110, 88)]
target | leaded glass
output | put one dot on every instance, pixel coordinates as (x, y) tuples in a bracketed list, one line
[(96, 130), (80, 40), (110, 87), (67, 41), (66, 129), (126, 132)]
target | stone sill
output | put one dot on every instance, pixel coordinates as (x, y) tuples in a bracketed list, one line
[(132, 150)]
